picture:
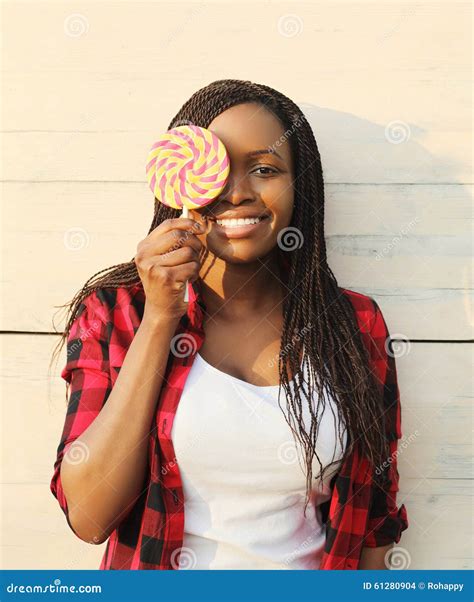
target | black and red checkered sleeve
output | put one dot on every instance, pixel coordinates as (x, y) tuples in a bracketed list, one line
[(87, 374), (386, 520)]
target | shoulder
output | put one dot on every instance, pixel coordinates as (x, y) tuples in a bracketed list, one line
[(106, 323), (110, 304), (365, 308)]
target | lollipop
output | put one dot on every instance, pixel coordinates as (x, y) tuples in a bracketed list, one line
[(187, 168)]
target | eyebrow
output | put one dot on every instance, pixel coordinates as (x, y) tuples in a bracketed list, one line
[(263, 151)]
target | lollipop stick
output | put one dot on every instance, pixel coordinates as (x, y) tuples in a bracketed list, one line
[(185, 213)]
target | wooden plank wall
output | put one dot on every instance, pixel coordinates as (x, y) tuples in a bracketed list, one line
[(87, 86)]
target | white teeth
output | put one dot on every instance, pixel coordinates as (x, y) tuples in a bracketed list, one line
[(233, 223)]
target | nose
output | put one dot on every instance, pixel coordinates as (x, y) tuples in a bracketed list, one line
[(237, 189)]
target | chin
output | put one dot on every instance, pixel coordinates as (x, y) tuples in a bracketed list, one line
[(239, 252)]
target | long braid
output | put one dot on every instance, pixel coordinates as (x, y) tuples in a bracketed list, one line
[(335, 360)]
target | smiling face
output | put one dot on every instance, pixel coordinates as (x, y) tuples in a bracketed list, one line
[(260, 185)]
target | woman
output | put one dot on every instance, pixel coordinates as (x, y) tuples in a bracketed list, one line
[(195, 459)]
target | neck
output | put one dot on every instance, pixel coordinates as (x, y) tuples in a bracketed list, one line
[(230, 290)]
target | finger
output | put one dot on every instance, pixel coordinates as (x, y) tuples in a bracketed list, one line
[(168, 244), (178, 223), (174, 239), (178, 257), (186, 271)]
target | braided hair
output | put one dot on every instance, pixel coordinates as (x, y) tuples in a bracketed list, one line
[(335, 360)]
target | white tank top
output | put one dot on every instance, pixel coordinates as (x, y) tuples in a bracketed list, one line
[(244, 486)]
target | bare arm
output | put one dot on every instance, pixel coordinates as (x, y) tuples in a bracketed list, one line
[(101, 491), (374, 558)]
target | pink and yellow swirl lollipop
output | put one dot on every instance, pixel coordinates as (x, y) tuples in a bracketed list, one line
[(187, 168)]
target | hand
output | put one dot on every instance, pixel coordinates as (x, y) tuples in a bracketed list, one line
[(165, 260)]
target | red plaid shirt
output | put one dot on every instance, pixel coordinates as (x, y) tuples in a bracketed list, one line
[(358, 514)]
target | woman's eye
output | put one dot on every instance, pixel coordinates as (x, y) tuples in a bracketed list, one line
[(269, 170)]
